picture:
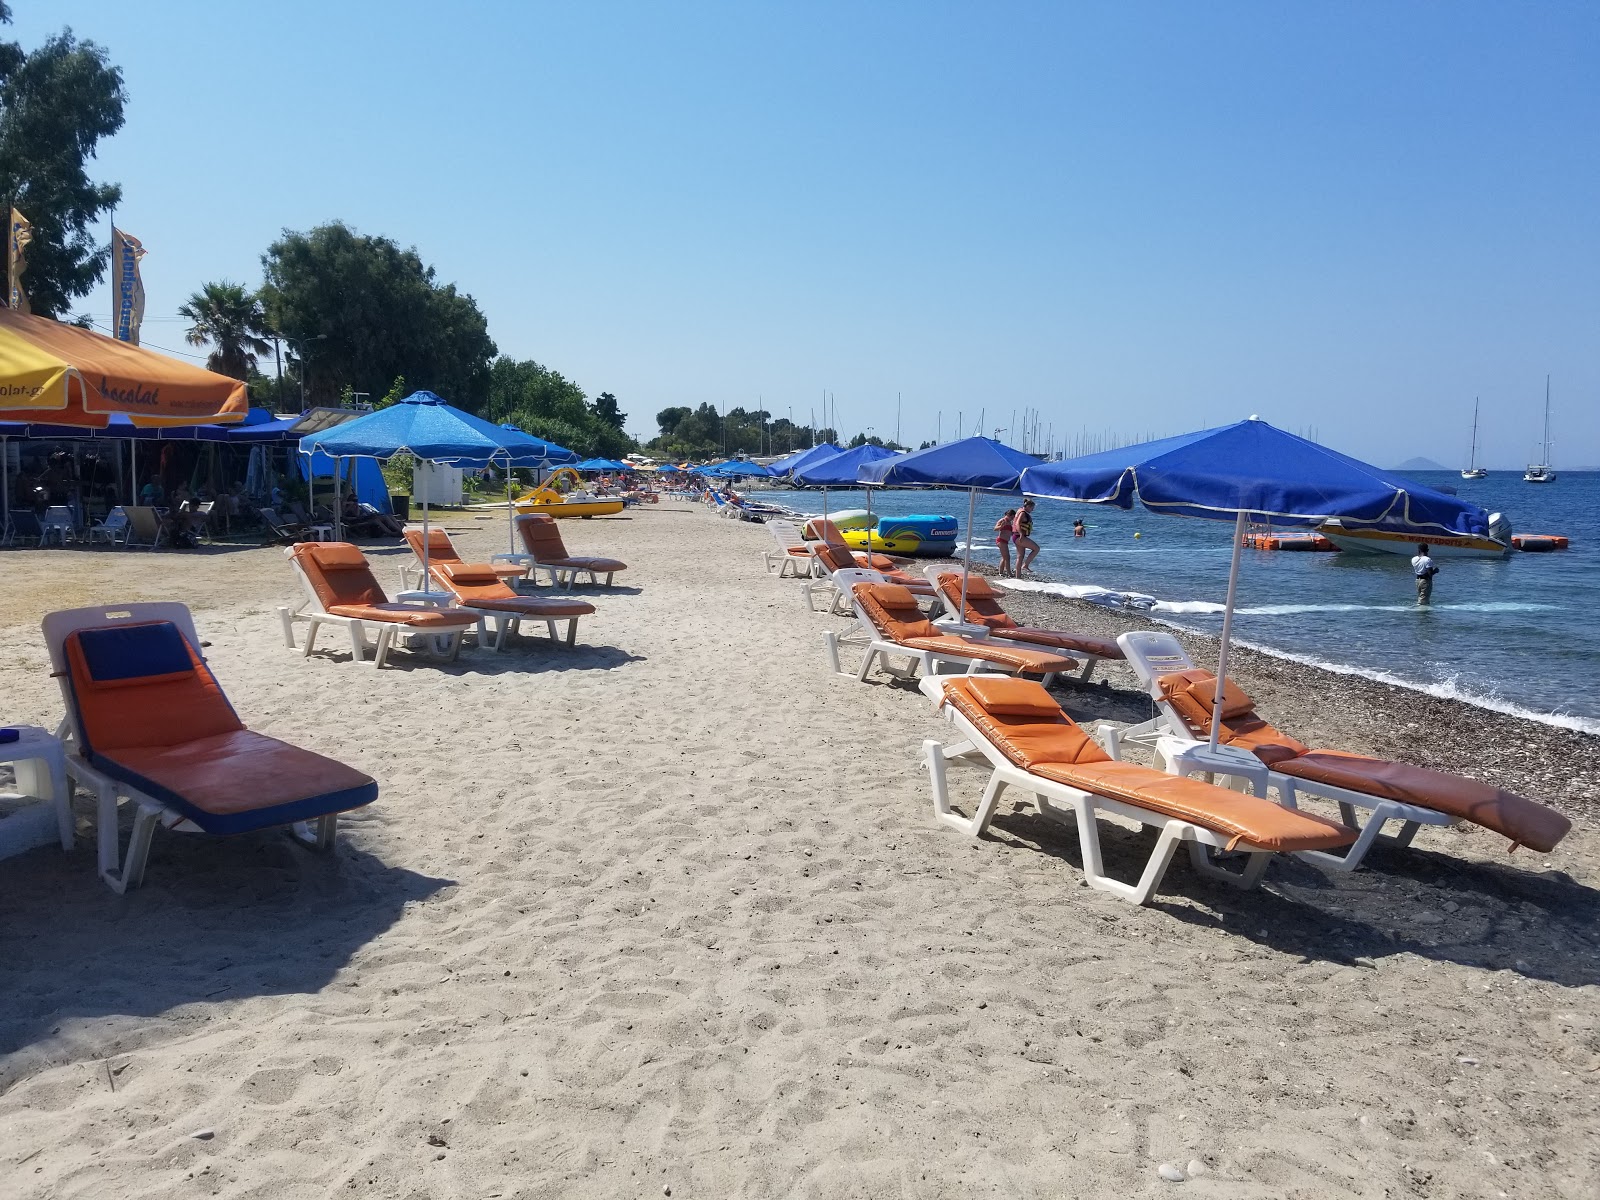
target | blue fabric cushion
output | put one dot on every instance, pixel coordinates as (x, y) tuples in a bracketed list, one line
[(135, 652)]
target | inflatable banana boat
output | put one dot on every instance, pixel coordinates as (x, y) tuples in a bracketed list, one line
[(933, 536)]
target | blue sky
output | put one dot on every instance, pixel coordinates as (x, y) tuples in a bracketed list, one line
[(1136, 218)]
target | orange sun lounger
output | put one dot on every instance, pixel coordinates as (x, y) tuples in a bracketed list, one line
[(983, 608), (479, 588), (892, 626), (147, 720), (1033, 746), (542, 539), (828, 560), (442, 550), (340, 589), (1415, 796), (828, 533)]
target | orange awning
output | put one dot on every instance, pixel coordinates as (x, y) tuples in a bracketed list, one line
[(63, 375)]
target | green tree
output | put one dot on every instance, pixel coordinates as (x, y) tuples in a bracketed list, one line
[(667, 419), (56, 104), (605, 409), (359, 311), (231, 321)]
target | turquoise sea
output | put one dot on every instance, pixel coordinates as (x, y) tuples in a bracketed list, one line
[(1517, 635)]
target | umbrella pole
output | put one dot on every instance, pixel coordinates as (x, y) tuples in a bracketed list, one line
[(5, 487), (1227, 628), (870, 526), (966, 566), (427, 572), (511, 513), (338, 518)]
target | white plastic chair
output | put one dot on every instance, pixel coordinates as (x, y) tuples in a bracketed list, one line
[(58, 524), (113, 529)]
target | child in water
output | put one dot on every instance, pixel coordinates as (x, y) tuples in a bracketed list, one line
[(1002, 539)]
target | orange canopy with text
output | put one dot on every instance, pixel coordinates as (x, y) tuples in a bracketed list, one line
[(64, 375)]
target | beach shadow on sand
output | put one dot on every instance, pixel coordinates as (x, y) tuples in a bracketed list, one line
[(1499, 917), (209, 925), (522, 656)]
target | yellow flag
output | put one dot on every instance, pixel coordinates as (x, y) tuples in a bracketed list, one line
[(127, 289), (18, 240)]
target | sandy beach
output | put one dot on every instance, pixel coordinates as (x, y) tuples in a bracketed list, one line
[(667, 913)]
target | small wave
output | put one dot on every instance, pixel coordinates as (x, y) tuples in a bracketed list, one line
[(1290, 610)]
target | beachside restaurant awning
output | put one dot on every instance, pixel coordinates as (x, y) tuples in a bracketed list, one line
[(58, 374)]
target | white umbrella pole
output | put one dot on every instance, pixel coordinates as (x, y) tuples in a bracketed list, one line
[(427, 573), (1227, 628), (511, 513), (5, 487), (338, 511), (966, 565)]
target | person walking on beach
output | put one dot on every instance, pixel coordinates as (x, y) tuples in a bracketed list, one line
[(1422, 567), (1022, 535), (1002, 539)]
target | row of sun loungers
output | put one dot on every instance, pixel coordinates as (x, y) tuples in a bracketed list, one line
[(1003, 715), (147, 722)]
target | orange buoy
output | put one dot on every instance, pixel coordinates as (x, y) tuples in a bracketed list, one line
[(1538, 543)]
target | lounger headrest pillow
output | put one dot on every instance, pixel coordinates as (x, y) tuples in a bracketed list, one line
[(1201, 687), (468, 574), (336, 556), (123, 655), (978, 588), (1013, 698), (893, 597)]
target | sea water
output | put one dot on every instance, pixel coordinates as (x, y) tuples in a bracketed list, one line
[(1519, 635)]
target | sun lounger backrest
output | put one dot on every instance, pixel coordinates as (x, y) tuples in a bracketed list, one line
[(143, 685), (440, 547), (146, 522), (983, 600), (541, 537), (835, 558), (471, 581), (1023, 721), (338, 573), (1190, 696), (893, 611)]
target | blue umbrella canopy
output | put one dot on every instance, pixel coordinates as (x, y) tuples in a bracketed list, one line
[(1256, 469), (1245, 470), (840, 469), (974, 462), (422, 424), (735, 468), (780, 466), (798, 462)]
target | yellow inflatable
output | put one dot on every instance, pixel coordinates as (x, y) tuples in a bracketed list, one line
[(562, 495)]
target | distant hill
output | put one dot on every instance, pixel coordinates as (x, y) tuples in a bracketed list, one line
[(1420, 464)]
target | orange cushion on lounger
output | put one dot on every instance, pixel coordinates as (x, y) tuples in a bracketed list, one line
[(120, 705), (468, 573), (1043, 734), (1190, 693), (336, 556), (1015, 698), (1524, 821), (893, 611), (1005, 654)]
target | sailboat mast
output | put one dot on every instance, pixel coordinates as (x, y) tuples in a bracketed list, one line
[(1544, 457)]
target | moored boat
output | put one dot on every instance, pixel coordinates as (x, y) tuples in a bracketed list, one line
[(1368, 540)]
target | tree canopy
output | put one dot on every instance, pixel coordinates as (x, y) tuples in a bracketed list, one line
[(229, 319), (359, 311), (704, 432), (544, 402), (56, 104)]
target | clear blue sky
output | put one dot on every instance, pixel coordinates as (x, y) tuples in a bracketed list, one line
[(1134, 217)]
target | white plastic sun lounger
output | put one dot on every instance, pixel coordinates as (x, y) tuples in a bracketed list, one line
[(788, 554), (1030, 744)]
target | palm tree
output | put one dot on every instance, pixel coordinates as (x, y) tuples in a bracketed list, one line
[(230, 319)]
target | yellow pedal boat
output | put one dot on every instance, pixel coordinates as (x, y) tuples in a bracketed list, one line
[(562, 495)]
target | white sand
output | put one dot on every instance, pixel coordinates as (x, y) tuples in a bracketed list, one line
[(670, 910)]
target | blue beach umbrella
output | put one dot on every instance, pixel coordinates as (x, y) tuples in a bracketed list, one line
[(840, 470), (736, 468), (806, 458), (975, 463), (1251, 470), (422, 424)]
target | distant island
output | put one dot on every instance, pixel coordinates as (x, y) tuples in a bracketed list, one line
[(1420, 464)]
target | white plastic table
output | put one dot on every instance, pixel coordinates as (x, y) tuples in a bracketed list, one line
[(320, 533), (41, 767), (1182, 756)]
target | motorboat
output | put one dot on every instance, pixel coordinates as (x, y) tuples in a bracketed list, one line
[(1363, 539)]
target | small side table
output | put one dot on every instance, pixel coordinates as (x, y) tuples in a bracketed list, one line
[(320, 533), (41, 766), (1183, 756)]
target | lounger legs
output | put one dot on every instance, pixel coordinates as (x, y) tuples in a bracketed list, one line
[(974, 825), (318, 834), (122, 872)]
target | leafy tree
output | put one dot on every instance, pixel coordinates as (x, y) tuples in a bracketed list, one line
[(359, 311), (667, 419), (605, 408), (231, 320), (56, 104)]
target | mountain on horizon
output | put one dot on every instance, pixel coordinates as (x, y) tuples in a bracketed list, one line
[(1420, 464)]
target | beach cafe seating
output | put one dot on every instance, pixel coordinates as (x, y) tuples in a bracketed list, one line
[(148, 722), (479, 588), (58, 524), (542, 540), (1184, 696), (145, 527), (789, 552), (828, 560), (891, 625), (1032, 745), (23, 526), (983, 608), (113, 529), (339, 588)]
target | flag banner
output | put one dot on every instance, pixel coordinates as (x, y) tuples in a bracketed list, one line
[(127, 289), (19, 237)]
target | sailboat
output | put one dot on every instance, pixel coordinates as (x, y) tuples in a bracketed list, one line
[(1542, 471), (1474, 471)]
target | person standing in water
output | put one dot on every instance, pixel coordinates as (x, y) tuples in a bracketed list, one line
[(1022, 531), (1422, 567), (1078, 529), (1002, 539)]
